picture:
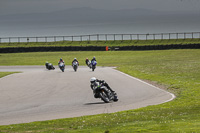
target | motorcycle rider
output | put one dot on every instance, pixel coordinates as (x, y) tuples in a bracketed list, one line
[(93, 59), (94, 83), (61, 60), (86, 61), (49, 66), (74, 61)]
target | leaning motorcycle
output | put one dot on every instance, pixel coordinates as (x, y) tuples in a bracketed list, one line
[(75, 65), (62, 66), (93, 64), (101, 91), (49, 66), (89, 64)]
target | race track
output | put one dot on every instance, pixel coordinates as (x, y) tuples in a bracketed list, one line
[(38, 94)]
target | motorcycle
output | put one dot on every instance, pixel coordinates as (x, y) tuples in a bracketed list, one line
[(49, 66), (62, 66), (75, 65), (89, 64), (105, 94), (93, 65)]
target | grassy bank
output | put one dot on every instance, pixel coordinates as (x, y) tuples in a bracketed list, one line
[(3, 74), (177, 70), (103, 43)]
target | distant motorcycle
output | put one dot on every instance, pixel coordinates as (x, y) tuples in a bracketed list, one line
[(89, 64), (93, 65), (101, 91), (61, 66), (75, 65), (49, 66)]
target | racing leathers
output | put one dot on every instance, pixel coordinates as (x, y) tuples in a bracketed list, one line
[(74, 61), (96, 83)]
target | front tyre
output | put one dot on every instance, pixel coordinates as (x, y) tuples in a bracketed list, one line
[(93, 67), (75, 68)]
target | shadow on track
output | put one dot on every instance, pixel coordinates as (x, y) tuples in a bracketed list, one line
[(95, 103)]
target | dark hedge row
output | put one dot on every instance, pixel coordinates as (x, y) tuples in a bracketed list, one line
[(97, 48), (158, 47), (48, 49)]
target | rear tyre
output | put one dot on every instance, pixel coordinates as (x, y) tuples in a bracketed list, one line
[(104, 97)]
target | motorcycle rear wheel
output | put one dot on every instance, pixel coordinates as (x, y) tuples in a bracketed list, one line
[(104, 97)]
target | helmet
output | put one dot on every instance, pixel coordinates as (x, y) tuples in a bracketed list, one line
[(74, 58), (93, 79), (60, 59), (94, 57)]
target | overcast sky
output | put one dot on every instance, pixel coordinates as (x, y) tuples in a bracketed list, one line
[(40, 6)]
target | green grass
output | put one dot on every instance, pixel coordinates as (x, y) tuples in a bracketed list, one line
[(3, 74), (177, 70), (103, 43)]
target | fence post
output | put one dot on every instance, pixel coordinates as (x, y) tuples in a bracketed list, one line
[(97, 37), (199, 35), (192, 35), (0, 40), (137, 36), (9, 39), (184, 36), (146, 36), (45, 39), (131, 37), (18, 39), (106, 37), (114, 37)]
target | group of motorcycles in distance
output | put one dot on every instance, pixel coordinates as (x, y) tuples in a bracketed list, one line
[(61, 64)]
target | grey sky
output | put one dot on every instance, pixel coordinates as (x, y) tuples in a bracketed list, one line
[(39, 6)]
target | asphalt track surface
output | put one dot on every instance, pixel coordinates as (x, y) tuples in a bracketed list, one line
[(38, 94)]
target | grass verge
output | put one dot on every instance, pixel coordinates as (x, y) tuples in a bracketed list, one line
[(178, 70), (3, 74)]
